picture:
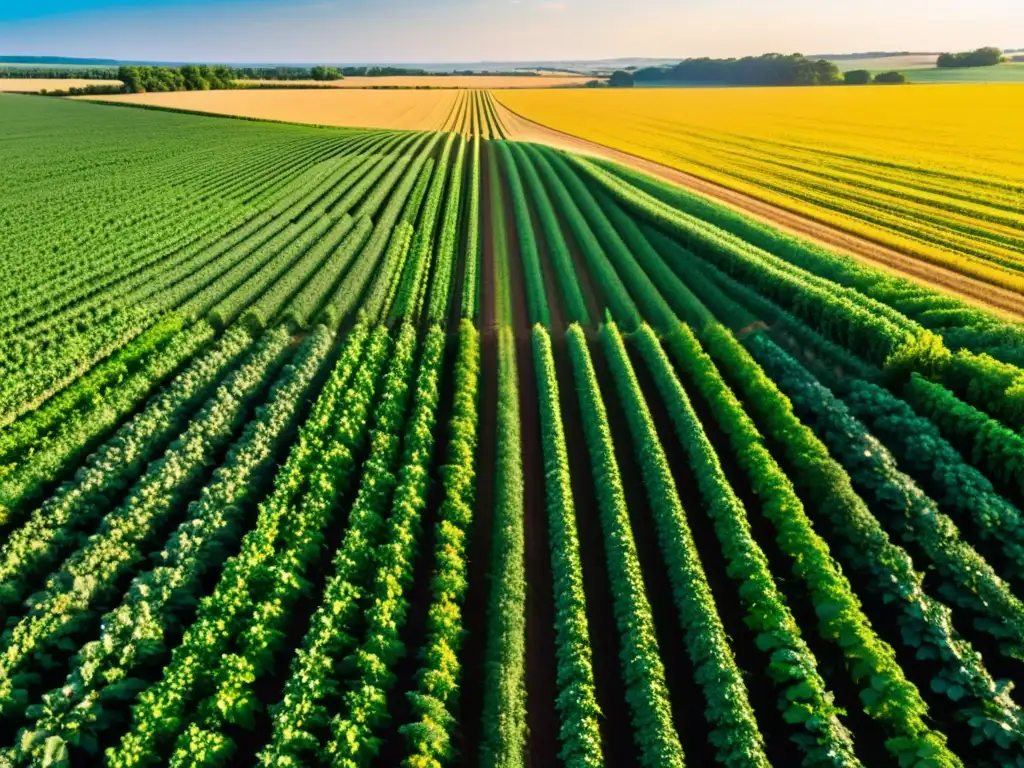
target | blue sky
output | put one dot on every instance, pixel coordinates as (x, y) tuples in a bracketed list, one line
[(494, 30)]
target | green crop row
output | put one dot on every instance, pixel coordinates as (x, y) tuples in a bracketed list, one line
[(259, 585), (428, 736), (642, 670), (804, 698), (580, 731), (134, 631), (734, 731), (504, 709), (356, 729), (121, 538)]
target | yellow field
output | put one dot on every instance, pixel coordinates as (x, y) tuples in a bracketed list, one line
[(444, 81), (409, 110), (36, 84), (937, 171)]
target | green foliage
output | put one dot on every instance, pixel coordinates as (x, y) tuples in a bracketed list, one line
[(767, 69), (371, 667), (803, 695), (470, 290), (980, 57), (988, 384), (135, 629), (558, 249), (300, 720), (580, 732), (504, 709), (840, 314), (325, 73), (62, 522), (857, 77), (956, 487), (966, 579), (734, 731), (441, 282), (890, 78), (594, 255), (428, 737), (258, 586), (536, 298), (621, 79), (642, 671), (191, 77), (620, 253), (991, 446), (925, 623), (115, 547), (885, 692)]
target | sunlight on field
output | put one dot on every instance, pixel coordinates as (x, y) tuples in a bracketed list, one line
[(410, 110), (445, 81), (937, 171), (36, 84)]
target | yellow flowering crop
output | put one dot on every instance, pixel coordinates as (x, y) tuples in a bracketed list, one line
[(936, 171)]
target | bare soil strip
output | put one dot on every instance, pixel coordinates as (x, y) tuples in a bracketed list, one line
[(1001, 300)]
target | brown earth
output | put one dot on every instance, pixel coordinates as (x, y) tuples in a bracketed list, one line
[(1000, 300)]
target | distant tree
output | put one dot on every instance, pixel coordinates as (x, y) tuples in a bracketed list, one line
[(191, 77), (890, 78), (325, 73), (857, 77), (594, 84), (621, 79), (981, 57), (827, 73)]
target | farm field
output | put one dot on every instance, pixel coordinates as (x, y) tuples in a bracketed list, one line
[(36, 84), (362, 447), (1011, 72), (914, 169), (889, 63), (405, 109), (449, 81)]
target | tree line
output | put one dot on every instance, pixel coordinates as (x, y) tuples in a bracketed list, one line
[(58, 73), (864, 77), (191, 77), (767, 69), (980, 57)]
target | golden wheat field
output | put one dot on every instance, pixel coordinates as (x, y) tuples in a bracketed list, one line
[(404, 109), (936, 171), (445, 81), (36, 84)]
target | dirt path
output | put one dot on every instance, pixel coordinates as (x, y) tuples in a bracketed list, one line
[(976, 292)]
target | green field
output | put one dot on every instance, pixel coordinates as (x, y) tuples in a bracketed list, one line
[(1011, 72), (326, 447)]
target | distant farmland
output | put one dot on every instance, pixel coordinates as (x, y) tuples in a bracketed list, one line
[(404, 109), (931, 171), (34, 85), (447, 81)]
